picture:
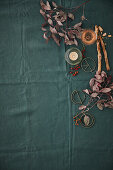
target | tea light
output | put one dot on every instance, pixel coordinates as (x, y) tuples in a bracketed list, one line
[(73, 56)]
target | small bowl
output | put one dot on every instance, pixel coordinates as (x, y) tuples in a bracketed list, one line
[(73, 56)]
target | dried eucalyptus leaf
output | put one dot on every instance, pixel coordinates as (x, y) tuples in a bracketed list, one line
[(53, 30), (66, 38), (48, 5), (54, 4), (100, 106), (111, 86), (61, 34), (44, 29), (75, 42), (86, 120), (56, 17), (82, 107), (49, 16), (70, 15), (45, 37), (77, 25), (56, 39), (61, 13), (103, 74), (94, 95), (45, 7), (86, 91), (69, 42), (42, 12), (92, 82), (105, 90), (50, 21), (59, 23), (109, 105), (71, 35)]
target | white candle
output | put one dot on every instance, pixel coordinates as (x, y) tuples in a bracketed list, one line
[(73, 56)]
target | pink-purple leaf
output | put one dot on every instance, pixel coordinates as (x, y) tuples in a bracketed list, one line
[(91, 83), (45, 7), (56, 39), (61, 13), (100, 106), (49, 16), (44, 29), (54, 4), (105, 90), (103, 74), (109, 105), (53, 30), (48, 5), (59, 23), (42, 12), (99, 78), (70, 34), (45, 37), (86, 120), (75, 42), (50, 21), (111, 86), (95, 88), (61, 34), (94, 94), (77, 25), (69, 42), (82, 107), (86, 91), (70, 15)]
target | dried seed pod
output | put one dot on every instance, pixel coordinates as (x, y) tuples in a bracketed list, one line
[(104, 34), (109, 35), (98, 49), (88, 37), (100, 29), (105, 54)]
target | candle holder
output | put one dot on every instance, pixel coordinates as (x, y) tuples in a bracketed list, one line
[(73, 56)]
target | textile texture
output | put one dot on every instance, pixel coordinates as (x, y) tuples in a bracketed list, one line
[(36, 113)]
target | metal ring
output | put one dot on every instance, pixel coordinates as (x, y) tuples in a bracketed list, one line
[(92, 120), (87, 65), (81, 100)]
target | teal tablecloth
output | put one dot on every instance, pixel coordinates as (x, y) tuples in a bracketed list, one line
[(36, 113)]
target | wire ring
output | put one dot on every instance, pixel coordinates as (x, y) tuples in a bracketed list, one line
[(81, 100), (92, 118), (91, 69)]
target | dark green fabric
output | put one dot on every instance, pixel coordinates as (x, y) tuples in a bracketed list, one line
[(36, 124)]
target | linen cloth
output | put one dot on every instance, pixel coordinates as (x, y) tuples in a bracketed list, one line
[(36, 113)]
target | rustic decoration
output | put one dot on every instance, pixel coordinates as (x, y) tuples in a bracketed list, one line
[(78, 97), (57, 25), (88, 37), (88, 64), (87, 120), (105, 53), (99, 34), (98, 49)]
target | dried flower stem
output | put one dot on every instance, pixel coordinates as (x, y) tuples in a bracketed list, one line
[(98, 49), (105, 53), (74, 8)]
